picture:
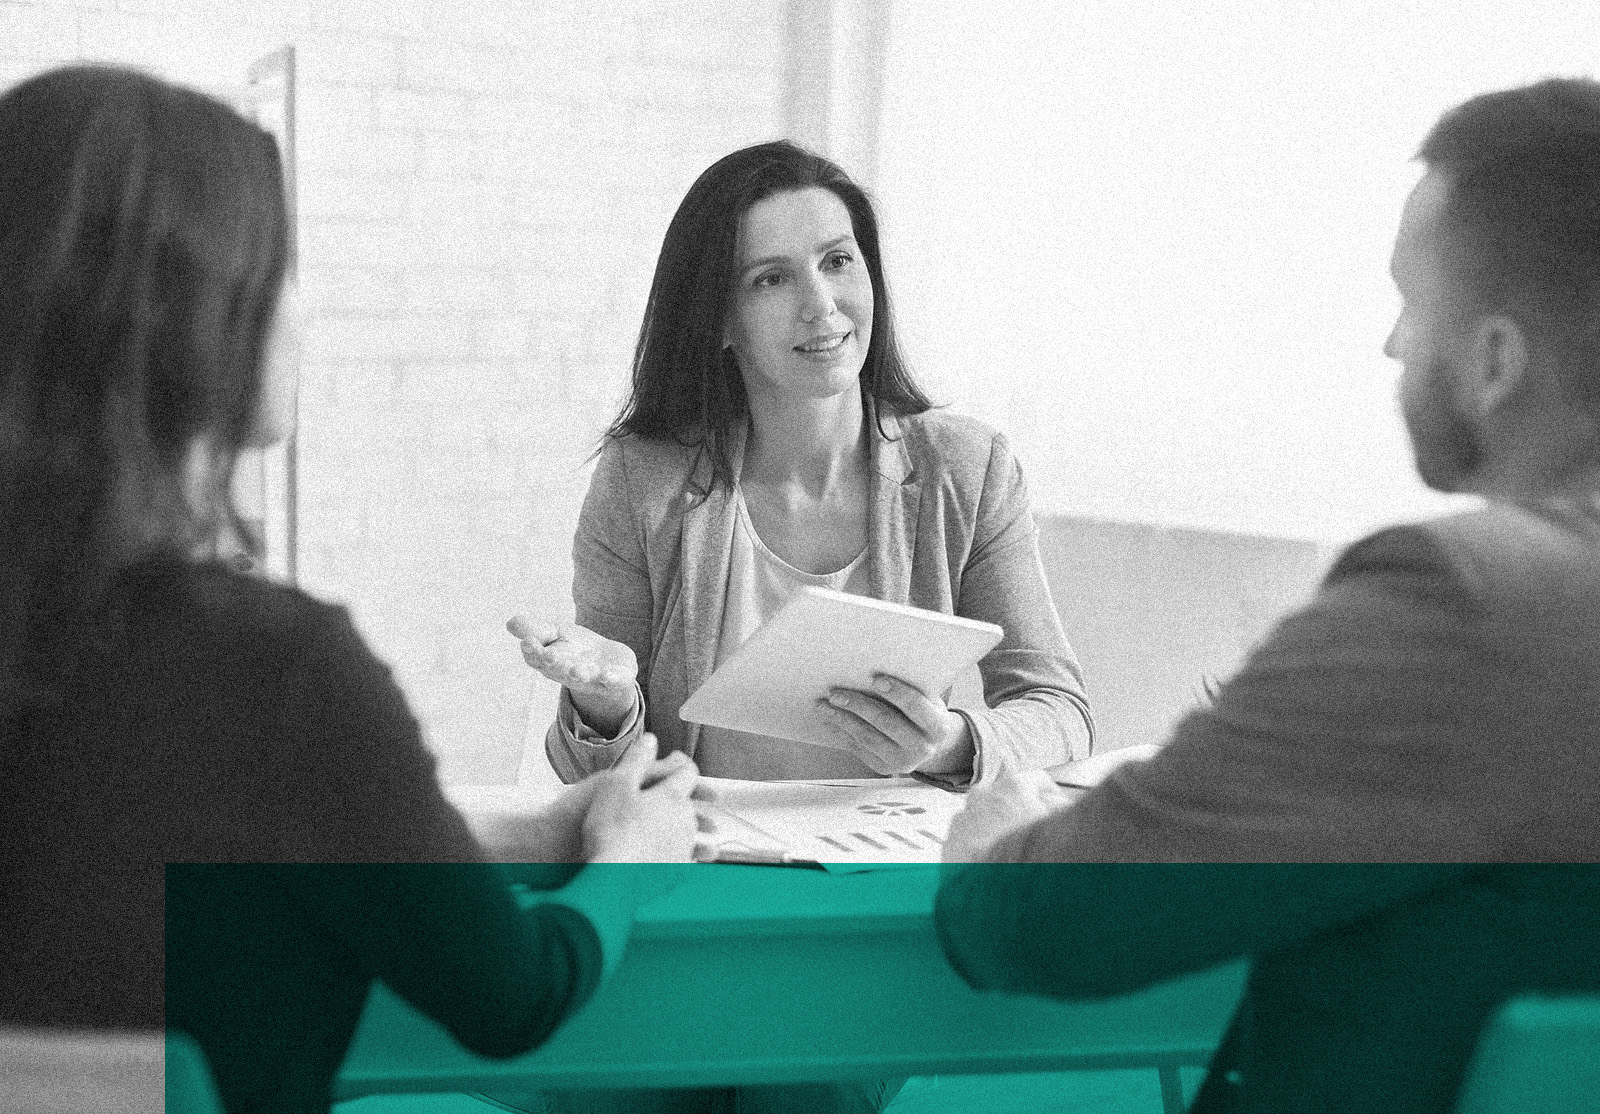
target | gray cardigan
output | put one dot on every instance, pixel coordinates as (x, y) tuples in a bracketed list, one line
[(949, 529)]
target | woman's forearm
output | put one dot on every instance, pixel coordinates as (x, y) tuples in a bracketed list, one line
[(957, 757), (605, 711)]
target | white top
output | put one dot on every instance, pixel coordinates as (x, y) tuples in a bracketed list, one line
[(760, 582)]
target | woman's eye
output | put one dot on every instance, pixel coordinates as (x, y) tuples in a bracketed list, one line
[(838, 259), (771, 278)]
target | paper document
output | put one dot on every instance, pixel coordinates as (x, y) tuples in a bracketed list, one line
[(847, 824)]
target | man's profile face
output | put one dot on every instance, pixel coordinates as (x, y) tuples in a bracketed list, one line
[(1427, 340)]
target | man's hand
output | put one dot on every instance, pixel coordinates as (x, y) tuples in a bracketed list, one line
[(1012, 801)]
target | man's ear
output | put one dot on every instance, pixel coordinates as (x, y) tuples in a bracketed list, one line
[(1499, 357)]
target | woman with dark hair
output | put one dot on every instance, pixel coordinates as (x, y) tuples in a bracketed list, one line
[(774, 438), (157, 706)]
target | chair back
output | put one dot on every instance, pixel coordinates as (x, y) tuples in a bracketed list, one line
[(1537, 1055), (65, 1071)]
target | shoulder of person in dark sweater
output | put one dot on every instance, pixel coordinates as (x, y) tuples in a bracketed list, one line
[(211, 599), (270, 702)]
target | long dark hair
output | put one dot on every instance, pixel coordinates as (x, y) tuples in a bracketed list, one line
[(686, 387), (143, 247)]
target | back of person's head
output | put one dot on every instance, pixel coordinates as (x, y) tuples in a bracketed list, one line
[(686, 385), (143, 248), (1522, 218)]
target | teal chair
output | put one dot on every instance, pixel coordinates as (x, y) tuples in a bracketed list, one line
[(64, 1071), (190, 1088), (1537, 1055)]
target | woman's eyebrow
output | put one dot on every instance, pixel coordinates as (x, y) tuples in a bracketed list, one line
[(847, 238)]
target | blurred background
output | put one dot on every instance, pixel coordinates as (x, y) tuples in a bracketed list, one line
[(1147, 240)]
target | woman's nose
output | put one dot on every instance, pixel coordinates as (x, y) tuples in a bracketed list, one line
[(817, 301)]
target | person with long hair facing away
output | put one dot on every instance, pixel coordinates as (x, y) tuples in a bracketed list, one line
[(158, 706), (775, 438)]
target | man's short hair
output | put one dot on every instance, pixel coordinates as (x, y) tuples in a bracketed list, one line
[(1523, 216)]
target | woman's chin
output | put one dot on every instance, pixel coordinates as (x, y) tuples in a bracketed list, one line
[(838, 381), (807, 383)]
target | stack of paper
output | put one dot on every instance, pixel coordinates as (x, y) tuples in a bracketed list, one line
[(850, 824)]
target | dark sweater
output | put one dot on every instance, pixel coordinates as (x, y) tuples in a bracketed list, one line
[(1436, 708), (228, 721)]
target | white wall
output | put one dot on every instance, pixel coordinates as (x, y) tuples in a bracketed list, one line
[(1150, 239)]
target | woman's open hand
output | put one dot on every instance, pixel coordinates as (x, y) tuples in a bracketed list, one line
[(600, 674), (896, 728)]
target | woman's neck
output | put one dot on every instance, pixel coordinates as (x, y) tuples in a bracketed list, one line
[(816, 445), (196, 473), (198, 466)]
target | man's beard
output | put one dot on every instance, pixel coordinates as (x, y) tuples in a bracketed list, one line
[(1447, 444)]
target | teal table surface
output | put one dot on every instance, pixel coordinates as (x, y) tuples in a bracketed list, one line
[(748, 974)]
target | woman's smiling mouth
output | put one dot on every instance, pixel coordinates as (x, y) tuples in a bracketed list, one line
[(822, 345)]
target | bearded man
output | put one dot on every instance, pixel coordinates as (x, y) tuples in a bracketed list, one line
[(1433, 715)]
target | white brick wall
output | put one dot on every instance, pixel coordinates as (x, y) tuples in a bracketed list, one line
[(482, 189)]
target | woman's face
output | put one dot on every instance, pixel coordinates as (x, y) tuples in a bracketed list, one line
[(800, 318)]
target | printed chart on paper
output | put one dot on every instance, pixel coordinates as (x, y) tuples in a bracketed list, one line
[(846, 824)]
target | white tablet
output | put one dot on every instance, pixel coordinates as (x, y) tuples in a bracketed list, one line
[(821, 640)]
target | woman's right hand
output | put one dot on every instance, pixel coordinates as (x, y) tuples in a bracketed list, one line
[(598, 673), (630, 822)]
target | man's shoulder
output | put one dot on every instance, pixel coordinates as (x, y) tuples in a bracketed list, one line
[(1530, 571), (1487, 546), (1559, 529)]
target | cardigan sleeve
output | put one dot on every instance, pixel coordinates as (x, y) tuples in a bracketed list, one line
[(1038, 712), (611, 596)]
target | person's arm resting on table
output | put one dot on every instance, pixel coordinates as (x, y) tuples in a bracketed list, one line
[(633, 825), (1325, 748)]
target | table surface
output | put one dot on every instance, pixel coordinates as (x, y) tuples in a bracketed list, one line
[(749, 974)]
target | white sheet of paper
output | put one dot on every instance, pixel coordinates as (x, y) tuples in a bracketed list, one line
[(847, 824)]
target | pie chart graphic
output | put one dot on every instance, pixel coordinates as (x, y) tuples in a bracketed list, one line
[(891, 808)]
